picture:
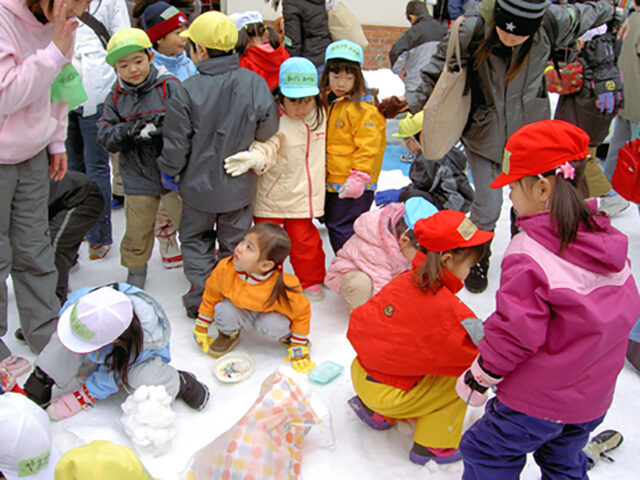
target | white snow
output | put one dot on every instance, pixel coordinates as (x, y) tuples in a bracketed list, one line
[(359, 452)]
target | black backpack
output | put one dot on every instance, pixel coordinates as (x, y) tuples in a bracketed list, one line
[(599, 63)]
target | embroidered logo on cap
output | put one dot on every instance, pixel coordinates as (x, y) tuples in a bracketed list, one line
[(467, 229), (78, 327)]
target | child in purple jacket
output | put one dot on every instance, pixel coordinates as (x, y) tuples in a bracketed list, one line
[(564, 310)]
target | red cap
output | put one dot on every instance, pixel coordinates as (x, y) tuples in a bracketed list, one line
[(449, 229), (539, 147)]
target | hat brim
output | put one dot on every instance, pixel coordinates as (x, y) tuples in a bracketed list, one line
[(69, 339), (478, 238), (504, 179), (400, 135), (299, 92), (121, 52)]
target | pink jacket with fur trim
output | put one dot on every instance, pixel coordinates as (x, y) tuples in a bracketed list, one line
[(29, 63), (373, 249), (559, 333)]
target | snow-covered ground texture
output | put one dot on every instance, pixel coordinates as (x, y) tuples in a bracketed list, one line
[(359, 451)]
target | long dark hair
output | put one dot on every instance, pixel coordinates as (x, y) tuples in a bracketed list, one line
[(336, 65), (275, 246), (279, 98), (567, 207), (491, 41), (429, 274), (126, 350)]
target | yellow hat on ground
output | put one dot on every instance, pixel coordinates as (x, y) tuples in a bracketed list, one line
[(100, 459), (409, 125), (126, 41), (213, 30)]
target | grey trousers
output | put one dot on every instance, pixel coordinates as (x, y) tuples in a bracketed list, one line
[(229, 318), (26, 252), (63, 366), (198, 233), (487, 202)]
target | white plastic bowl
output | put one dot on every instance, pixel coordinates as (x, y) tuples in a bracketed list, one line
[(233, 367)]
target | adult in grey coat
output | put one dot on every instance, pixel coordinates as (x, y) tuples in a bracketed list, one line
[(507, 84), (306, 29), (218, 113)]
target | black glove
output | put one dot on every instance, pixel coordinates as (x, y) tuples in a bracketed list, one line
[(134, 126), (38, 387)]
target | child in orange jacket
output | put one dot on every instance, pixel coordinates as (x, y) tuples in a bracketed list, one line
[(415, 336)]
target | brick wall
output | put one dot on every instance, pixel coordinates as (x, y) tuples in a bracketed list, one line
[(376, 55)]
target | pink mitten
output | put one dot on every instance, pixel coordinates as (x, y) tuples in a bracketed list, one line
[(70, 403), (355, 184), (472, 384)]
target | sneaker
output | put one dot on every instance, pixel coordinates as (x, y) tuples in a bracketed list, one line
[(69, 404), (224, 343), (19, 334), (169, 247), (17, 366), (477, 281), (117, 202), (138, 278), (368, 416), (613, 205), (408, 157), (192, 392), (421, 455), (96, 253), (314, 293), (602, 443)]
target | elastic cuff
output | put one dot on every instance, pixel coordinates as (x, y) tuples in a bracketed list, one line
[(204, 321), (298, 339), (56, 147), (55, 55)]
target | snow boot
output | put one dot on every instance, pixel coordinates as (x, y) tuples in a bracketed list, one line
[(69, 404), (368, 416), (138, 278), (420, 454), (38, 387), (192, 392), (224, 343), (600, 445), (477, 280), (169, 247)]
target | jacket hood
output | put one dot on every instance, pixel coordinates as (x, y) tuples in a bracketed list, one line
[(380, 226), (266, 58), (20, 10), (600, 252)]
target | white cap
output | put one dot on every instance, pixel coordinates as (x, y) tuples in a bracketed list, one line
[(245, 18), (95, 320), (25, 436)]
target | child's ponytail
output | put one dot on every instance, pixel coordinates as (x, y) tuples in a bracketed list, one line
[(429, 274), (126, 350)]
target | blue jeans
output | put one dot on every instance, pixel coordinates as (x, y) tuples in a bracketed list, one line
[(86, 156), (623, 129), (496, 446)]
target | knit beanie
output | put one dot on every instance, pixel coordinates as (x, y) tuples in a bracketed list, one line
[(519, 17), (160, 19)]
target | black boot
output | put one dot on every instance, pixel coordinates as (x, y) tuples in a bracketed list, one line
[(477, 280), (192, 392), (38, 387)]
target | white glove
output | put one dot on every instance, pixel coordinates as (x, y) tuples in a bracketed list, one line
[(242, 162), (148, 130)]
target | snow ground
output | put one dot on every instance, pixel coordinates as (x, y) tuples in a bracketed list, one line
[(359, 451)]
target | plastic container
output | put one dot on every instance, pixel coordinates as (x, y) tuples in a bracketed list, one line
[(233, 367), (325, 372)]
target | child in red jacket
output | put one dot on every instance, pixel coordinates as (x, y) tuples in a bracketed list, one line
[(415, 337)]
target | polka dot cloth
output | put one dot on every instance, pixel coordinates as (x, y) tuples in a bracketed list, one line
[(265, 443)]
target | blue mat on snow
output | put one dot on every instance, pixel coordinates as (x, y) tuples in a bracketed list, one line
[(391, 159)]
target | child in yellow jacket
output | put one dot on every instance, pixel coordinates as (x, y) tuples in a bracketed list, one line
[(355, 140), (250, 290)]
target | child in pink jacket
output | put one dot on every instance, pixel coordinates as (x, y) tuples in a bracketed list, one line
[(36, 42), (382, 247)]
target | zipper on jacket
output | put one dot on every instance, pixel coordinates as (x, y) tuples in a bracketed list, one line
[(306, 163)]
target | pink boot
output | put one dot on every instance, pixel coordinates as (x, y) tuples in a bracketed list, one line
[(70, 403)]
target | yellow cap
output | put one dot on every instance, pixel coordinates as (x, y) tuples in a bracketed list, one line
[(126, 41), (100, 459), (409, 125), (213, 30)]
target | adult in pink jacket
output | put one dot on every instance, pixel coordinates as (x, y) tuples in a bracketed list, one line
[(36, 39)]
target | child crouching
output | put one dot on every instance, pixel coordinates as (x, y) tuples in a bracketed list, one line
[(415, 337)]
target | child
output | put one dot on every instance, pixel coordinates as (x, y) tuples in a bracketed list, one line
[(251, 290), (355, 140), (382, 247), (291, 189), (564, 309), (443, 182), (123, 333), (132, 125), (415, 337), (163, 24), (258, 53), (219, 113)]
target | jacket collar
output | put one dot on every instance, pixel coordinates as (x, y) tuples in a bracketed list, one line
[(254, 278), (217, 65)]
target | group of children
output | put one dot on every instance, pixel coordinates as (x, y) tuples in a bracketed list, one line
[(223, 150)]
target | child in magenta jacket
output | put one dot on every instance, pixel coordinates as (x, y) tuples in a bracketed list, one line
[(564, 310)]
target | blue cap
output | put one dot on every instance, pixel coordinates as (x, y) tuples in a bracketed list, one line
[(298, 78), (345, 50), (417, 208)]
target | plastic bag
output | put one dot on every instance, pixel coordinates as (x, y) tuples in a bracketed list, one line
[(266, 442), (344, 25), (67, 87)]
